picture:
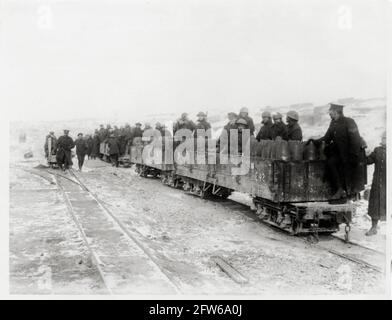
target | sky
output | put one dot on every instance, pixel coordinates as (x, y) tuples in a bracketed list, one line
[(67, 59)]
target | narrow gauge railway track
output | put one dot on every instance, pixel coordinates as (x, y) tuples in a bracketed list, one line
[(141, 253), (347, 250), (93, 254)]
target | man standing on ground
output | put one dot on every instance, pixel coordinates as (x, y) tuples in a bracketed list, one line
[(114, 149), (81, 150), (64, 154)]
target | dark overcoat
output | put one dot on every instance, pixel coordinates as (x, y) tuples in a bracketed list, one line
[(279, 129), (265, 132), (64, 146), (343, 141), (81, 147), (95, 146), (183, 124), (294, 132), (114, 146), (377, 199), (249, 121), (90, 142)]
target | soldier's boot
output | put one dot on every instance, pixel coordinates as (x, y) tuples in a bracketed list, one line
[(373, 230), (340, 194)]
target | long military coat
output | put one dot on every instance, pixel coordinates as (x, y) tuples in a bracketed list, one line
[(95, 146), (114, 146), (64, 146), (343, 141), (377, 199)]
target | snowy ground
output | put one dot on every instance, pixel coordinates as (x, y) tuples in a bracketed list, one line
[(183, 233)]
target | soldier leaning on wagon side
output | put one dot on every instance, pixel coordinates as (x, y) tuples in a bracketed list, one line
[(114, 149), (232, 117), (53, 140), (244, 114), (183, 123), (137, 130), (241, 124), (64, 155), (265, 132), (201, 123), (81, 150), (147, 126), (162, 129), (343, 147), (294, 131), (102, 133), (278, 129), (377, 199)]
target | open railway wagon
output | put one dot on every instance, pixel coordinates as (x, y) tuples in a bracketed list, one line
[(151, 162), (124, 159), (286, 180)]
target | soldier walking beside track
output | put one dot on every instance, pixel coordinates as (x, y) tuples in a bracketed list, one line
[(64, 155), (81, 150), (114, 149), (89, 142), (53, 139), (95, 145), (377, 199)]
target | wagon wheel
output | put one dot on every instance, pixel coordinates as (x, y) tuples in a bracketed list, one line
[(296, 227)]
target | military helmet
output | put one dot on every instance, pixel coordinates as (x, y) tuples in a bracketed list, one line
[(244, 110), (184, 115), (293, 115), (158, 124), (277, 116), (201, 114), (266, 114), (66, 131), (242, 121)]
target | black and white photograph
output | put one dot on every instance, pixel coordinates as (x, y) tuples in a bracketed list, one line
[(196, 149)]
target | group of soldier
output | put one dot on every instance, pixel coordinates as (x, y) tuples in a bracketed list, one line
[(344, 148)]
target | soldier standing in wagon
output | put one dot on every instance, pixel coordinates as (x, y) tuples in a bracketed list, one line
[(377, 199)]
